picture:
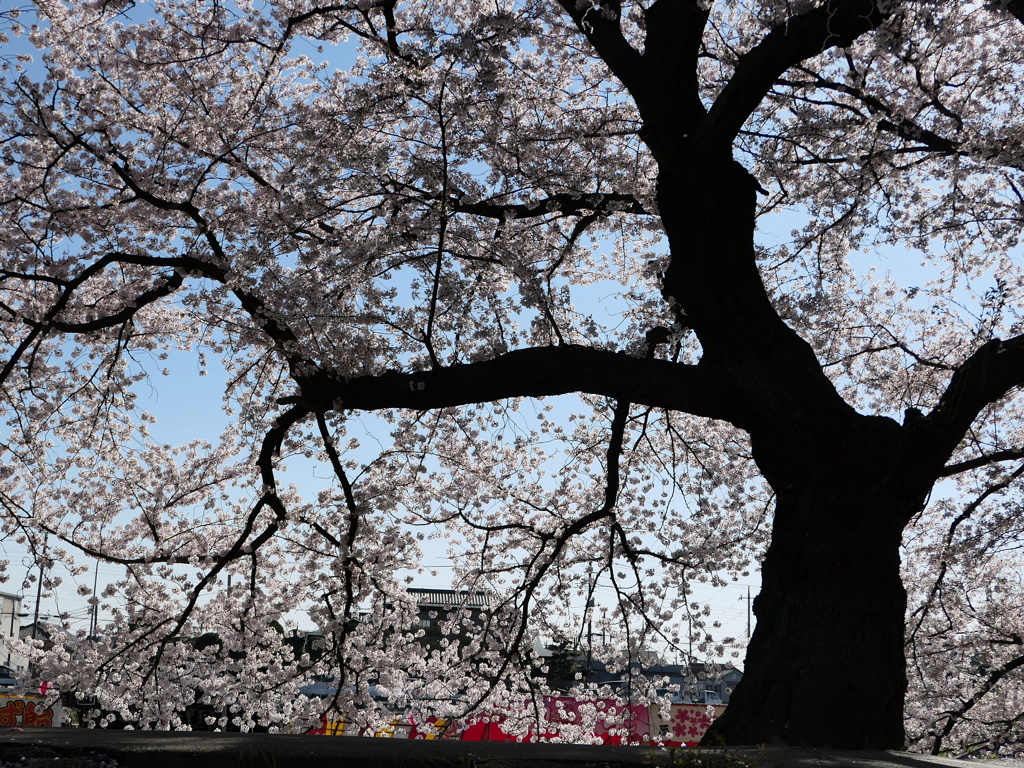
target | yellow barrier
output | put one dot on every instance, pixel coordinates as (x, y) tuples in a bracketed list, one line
[(335, 727)]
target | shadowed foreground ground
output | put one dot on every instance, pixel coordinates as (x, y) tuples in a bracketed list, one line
[(82, 748)]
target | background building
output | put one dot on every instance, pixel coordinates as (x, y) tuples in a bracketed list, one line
[(10, 627)]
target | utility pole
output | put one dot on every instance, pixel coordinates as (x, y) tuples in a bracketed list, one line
[(590, 638), (689, 624), (748, 612), (39, 588), (11, 633), (96, 605), (747, 598)]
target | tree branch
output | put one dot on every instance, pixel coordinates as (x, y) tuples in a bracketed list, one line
[(1015, 8), (982, 461), (990, 373), (675, 32), (542, 560), (922, 610), (837, 23), (534, 372), (904, 127), (565, 203), (600, 25)]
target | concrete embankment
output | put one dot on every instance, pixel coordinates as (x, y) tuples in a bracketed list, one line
[(84, 748)]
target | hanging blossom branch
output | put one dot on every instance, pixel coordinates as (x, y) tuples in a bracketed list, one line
[(542, 560), (970, 509), (990, 682), (243, 546), (347, 547)]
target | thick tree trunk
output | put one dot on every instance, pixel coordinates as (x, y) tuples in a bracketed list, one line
[(826, 666)]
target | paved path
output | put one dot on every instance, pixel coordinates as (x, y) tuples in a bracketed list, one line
[(84, 748)]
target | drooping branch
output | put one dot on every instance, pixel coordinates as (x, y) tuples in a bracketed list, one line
[(542, 560), (922, 610), (349, 546), (958, 714), (244, 544)]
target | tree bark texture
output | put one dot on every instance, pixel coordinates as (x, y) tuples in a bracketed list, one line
[(826, 666)]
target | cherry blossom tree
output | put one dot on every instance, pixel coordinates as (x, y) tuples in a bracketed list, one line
[(511, 274)]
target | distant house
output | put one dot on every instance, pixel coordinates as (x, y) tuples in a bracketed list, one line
[(687, 683), (41, 631), (436, 605)]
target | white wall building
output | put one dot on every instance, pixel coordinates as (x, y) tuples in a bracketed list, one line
[(10, 626)]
